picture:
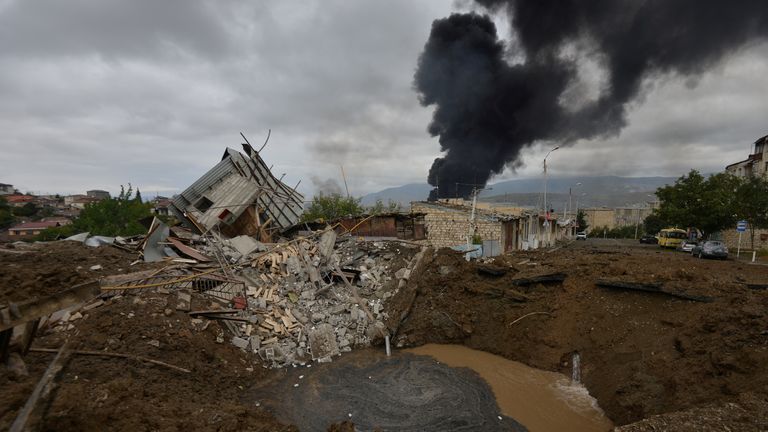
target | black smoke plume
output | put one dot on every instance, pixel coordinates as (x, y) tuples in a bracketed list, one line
[(488, 107)]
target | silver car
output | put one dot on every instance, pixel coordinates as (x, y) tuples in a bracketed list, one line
[(710, 249)]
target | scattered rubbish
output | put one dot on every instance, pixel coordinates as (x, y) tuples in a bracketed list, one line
[(96, 267), (97, 241), (78, 237)]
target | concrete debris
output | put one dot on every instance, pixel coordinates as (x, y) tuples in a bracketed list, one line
[(289, 303), (245, 244), (295, 306)]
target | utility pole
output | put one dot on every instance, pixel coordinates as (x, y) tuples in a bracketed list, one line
[(344, 176), (471, 234), (637, 222), (546, 208)]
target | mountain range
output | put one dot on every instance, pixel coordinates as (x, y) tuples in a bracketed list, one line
[(608, 191)]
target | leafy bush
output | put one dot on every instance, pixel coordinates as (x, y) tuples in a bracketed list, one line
[(333, 206), (381, 208), (6, 213), (117, 216), (56, 233)]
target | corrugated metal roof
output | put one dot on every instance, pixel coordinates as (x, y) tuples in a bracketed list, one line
[(233, 184)]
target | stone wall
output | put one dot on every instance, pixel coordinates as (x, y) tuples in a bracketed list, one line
[(449, 227), (731, 239)]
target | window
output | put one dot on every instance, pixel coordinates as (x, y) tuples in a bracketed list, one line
[(203, 204)]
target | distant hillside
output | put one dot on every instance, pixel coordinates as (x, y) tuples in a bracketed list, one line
[(609, 191), (605, 191), (403, 194), (591, 185)]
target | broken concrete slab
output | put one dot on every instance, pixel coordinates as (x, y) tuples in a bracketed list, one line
[(184, 301), (322, 342), (327, 243), (240, 342), (245, 245)]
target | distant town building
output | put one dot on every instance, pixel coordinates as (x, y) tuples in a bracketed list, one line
[(6, 189), (19, 200), (80, 203), (98, 193), (70, 199), (160, 205), (29, 229), (754, 165), (604, 217)]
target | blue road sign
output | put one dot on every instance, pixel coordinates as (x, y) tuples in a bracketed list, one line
[(741, 226)]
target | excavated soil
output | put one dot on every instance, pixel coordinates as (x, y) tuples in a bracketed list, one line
[(644, 355), (33, 270), (641, 353), (103, 393)]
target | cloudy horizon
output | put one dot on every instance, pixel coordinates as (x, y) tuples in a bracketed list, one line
[(99, 94)]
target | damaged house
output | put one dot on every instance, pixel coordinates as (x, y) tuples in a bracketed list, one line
[(239, 196)]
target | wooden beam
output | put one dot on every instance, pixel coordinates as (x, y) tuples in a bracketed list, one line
[(42, 390), (18, 314)]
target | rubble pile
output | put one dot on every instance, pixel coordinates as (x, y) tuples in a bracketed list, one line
[(291, 302), (299, 306)]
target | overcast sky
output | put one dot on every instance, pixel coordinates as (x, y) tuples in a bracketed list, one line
[(95, 94)]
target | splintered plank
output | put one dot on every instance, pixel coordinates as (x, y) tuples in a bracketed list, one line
[(655, 288)]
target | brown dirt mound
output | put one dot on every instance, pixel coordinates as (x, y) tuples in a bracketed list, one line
[(642, 353), (101, 393), (42, 269)]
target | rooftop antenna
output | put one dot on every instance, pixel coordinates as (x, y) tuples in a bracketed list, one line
[(344, 176)]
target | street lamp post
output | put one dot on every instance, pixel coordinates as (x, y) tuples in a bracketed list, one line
[(577, 205), (570, 198), (546, 209)]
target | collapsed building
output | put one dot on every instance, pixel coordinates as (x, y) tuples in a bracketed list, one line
[(239, 196)]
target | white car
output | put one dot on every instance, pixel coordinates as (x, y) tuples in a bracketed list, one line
[(581, 235), (687, 246)]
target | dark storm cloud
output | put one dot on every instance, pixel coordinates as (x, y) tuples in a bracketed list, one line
[(112, 28), (95, 94), (488, 109)]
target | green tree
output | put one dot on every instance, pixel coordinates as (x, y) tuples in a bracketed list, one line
[(653, 223), (117, 216), (6, 214), (27, 210), (381, 208), (751, 204), (332, 206), (56, 233), (696, 201), (581, 220), (138, 195)]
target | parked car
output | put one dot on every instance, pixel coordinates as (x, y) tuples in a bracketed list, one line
[(582, 235), (687, 246), (710, 249), (671, 237), (649, 239)]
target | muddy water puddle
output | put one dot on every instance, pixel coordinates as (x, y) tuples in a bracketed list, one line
[(540, 400), (431, 388)]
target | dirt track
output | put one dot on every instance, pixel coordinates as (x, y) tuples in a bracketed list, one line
[(642, 354)]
